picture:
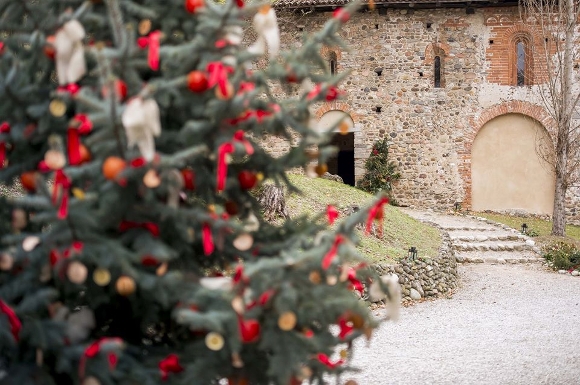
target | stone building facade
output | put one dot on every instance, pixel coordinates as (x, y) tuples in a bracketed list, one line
[(441, 81)]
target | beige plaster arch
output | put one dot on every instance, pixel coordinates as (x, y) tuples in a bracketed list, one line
[(507, 171), (513, 106)]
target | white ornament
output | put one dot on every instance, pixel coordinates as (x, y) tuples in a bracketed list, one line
[(70, 56), (217, 283), (141, 121), (266, 26)]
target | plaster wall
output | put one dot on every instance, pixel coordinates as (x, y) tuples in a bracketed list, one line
[(508, 170)]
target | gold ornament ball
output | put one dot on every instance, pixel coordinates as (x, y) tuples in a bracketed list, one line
[(125, 285), (287, 321), (214, 341), (57, 108), (144, 26), (102, 277), (77, 272), (162, 269), (227, 95)]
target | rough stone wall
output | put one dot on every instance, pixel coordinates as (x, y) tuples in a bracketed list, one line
[(429, 277), (431, 129)]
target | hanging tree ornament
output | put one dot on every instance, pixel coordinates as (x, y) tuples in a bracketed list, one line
[(141, 121), (152, 41), (4, 129), (79, 125), (69, 53), (266, 27)]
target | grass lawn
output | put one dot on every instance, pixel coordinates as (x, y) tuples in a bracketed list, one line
[(400, 230), (540, 226)]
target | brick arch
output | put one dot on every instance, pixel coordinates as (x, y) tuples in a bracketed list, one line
[(511, 107), (435, 49), (337, 106), (327, 52), (521, 29)]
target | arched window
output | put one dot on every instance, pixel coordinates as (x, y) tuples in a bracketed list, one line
[(437, 71), (521, 61), (332, 66)]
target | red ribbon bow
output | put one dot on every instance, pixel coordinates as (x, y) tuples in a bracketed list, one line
[(83, 126), (356, 284), (327, 260), (95, 348), (71, 88), (331, 214), (4, 129), (15, 324), (246, 87), (332, 93), (152, 41), (323, 358), (169, 364), (62, 184), (149, 226), (239, 136), (341, 14), (208, 245), (249, 330), (376, 212), (218, 74), (345, 328)]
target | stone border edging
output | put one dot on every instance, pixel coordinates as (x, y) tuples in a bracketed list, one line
[(425, 277)]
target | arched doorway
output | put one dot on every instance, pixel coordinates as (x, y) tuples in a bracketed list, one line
[(508, 166), (343, 163)]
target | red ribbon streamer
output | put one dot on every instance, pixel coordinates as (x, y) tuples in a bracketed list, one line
[(153, 42), (169, 364), (222, 166), (95, 348), (376, 212), (15, 324), (218, 74), (61, 183), (149, 226), (83, 127), (208, 245), (323, 358), (327, 260), (331, 214), (4, 129), (263, 299)]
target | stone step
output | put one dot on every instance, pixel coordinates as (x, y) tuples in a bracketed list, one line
[(490, 237), (499, 258), (492, 246), (471, 228)]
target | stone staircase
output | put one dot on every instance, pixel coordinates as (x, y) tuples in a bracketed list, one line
[(478, 240)]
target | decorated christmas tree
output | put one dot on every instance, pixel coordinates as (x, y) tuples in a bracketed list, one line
[(380, 172), (137, 253)]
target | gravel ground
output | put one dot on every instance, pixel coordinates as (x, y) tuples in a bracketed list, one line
[(507, 324)]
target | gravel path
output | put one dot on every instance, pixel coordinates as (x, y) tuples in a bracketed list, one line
[(508, 324)]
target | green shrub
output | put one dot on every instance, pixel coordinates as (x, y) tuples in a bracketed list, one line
[(380, 173), (563, 256)]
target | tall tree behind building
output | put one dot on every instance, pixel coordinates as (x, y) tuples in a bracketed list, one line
[(556, 56)]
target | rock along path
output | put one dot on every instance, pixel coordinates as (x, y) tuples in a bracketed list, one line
[(507, 324)]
